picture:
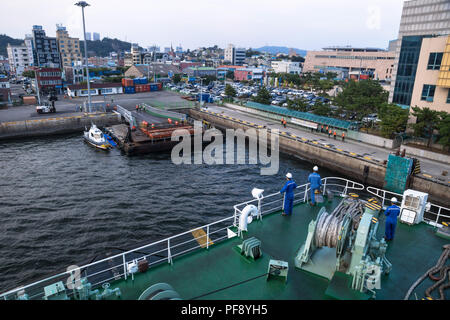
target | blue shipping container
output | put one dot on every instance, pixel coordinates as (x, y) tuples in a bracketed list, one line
[(130, 90)]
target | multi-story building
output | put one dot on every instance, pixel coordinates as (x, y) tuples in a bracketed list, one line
[(377, 63), (75, 73), (5, 91), (45, 49), (236, 56), (69, 48), (88, 36), (248, 74), (286, 67), (20, 57), (136, 53), (432, 81), (200, 71), (420, 21), (48, 79), (96, 36)]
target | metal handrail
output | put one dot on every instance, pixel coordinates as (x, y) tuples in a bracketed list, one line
[(303, 190), (387, 195)]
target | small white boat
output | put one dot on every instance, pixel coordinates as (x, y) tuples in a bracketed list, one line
[(96, 138)]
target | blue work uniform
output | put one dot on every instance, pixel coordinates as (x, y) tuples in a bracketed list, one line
[(391, 213), (288, 190), (316, 182)]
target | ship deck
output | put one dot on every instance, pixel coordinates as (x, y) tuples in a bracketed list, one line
[(221, 273)]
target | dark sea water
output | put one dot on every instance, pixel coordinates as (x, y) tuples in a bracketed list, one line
[(63, 202)]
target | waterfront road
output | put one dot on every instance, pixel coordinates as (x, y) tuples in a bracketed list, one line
[(428, 167), (70, 107)]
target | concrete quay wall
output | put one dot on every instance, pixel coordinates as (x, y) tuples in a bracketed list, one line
[(57, 125), (359, 169)]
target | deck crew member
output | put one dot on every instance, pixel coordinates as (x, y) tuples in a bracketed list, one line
[(288, 190), (316, 182), (391, 213)]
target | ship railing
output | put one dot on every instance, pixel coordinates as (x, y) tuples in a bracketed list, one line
[(115, 267), (433, 215), (275, 202)]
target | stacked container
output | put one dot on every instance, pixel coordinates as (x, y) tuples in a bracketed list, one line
[(128, 86), (142, 88)]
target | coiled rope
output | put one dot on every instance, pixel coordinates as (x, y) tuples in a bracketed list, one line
[(329, 225), (444, 273)]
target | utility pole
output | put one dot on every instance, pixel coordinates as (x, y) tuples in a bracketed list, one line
[(84, 4)]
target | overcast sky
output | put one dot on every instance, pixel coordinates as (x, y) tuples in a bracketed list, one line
[(303, 24)]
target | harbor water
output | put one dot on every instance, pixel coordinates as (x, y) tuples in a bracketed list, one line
[(64, 203)]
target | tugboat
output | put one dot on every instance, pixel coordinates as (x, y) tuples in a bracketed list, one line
[(96, 138)]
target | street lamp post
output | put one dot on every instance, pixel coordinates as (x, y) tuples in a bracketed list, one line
[(84, 4)]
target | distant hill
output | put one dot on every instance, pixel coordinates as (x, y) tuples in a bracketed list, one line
[(105, 46), (4, 40), (283, 50), (95, 48)]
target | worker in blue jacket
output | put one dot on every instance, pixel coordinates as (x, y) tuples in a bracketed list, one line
[(315, 183), (392, 212), (288, 190)]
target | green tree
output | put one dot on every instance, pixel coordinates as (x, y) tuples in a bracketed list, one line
[(427, 121), (298, 104), (362, 97), (321, 109), (393, 119), (263, 96), (444, 130), (230, 91), (230, 75), (28, 74), (176, 78)]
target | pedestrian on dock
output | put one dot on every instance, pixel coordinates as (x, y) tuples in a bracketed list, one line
[(315, 183), (391, 213), (334, 134), (343, 136), (288, 190), (329, 133)]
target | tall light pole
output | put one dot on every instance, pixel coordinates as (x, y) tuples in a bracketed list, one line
[(84, 4)]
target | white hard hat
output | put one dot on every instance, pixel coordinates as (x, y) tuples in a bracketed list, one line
[(289, 176), (316, 168), (394, 199)]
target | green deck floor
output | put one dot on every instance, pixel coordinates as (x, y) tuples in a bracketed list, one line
[(220, 273)]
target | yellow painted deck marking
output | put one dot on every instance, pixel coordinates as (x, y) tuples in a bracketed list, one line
[(368, 158), (200, 236), (293, 136), (339, 149), (427, 175), (353, 154), (327, 146), (304, 139), (315, 142)]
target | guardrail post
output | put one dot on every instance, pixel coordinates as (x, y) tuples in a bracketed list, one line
[(305, 198), (207, 237), (169, 253), (324, 186), (438, 215), (124, 266)]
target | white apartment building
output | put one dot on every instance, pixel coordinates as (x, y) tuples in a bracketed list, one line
[(286, 67), (20, 57), (236, 56)]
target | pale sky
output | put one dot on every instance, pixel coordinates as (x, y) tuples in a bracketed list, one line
[(303, 24)]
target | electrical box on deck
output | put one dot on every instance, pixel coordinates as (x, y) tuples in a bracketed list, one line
[(413, 206)]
